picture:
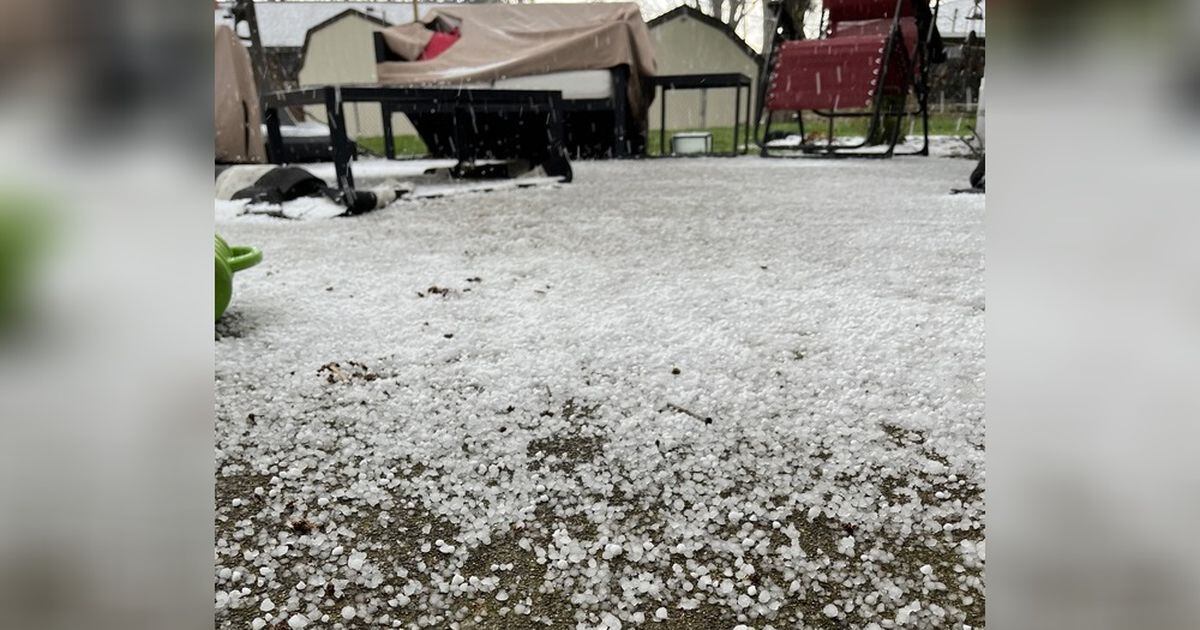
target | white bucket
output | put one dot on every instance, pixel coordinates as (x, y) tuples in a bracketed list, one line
[(691, 143)]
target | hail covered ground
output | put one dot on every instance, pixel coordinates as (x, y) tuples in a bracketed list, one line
[(705, 393)]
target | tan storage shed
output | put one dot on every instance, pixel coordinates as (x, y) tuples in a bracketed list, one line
[(341, 50), (687, 41)]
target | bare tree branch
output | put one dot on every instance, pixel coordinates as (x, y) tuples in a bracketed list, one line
[(730, 12)]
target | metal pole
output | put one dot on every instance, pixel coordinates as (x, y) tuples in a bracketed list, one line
[(389, 137), (342, 154), (737, 106), (243, 11), (274, 135), (747, 126), (662, 123)]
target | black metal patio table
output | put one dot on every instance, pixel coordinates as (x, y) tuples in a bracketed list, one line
[(410, 100), (734, 80)]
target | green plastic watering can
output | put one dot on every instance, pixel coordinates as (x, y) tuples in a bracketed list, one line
[(231, 260), (25, 232)]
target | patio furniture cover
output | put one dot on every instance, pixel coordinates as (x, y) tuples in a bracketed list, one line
[(236, 115), (501, 41)]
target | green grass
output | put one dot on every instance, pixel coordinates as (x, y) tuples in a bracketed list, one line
[(406, 146), (948, 124)]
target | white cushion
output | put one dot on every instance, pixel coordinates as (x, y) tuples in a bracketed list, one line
[(574, 84)]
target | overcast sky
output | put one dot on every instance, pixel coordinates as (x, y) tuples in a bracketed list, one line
[(751, 26)]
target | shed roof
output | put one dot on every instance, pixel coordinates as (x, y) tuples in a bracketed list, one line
[(347, 13), (696, 14)]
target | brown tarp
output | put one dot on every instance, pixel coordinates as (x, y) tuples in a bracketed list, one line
[(236, 114), (503, 41)]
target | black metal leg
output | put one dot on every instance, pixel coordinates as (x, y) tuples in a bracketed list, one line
[(459, 148), (925, 128), (558, 164), (662, 123), (554, 131), (341, 143), (619, 126), (620, 104), (274, 136), (924, 104), (895, 134), (737, 106), (766, 134), (746, 125), (389, 140), (750, 119)]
